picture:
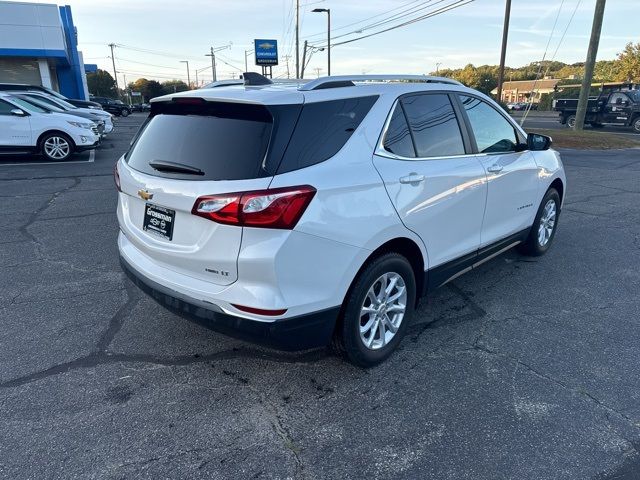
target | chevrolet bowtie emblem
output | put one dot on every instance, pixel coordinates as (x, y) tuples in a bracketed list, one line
[(145, 195)]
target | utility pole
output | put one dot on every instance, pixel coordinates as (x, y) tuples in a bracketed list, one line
[(304, 55), (438, 67), (317, 69), (503, 52), (589, 64), (188, 77), (286, 59), (213, 59), (298, 73), (115, 75)]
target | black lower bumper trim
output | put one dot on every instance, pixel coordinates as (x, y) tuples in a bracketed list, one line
[(303, 332)]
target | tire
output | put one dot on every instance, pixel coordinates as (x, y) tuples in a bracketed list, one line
[(124, 112), (56, 147), (571, 121), (537, 242), (635, 125), (364, 294)]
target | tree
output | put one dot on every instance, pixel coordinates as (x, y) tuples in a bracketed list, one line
[(101, 84), (149, 88), (629, 63), (171, 86)]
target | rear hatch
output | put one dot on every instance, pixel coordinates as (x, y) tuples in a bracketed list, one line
[(190, 148)]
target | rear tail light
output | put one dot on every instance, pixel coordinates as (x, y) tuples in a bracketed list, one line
[(116, 177), (274, 208)]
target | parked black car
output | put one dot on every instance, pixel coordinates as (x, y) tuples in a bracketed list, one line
[(14, 87), (113, 106), (620, 107), (140, 107)]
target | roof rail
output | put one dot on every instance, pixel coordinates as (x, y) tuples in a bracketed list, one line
[(347, 80)]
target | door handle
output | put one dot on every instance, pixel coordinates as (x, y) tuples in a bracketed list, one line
[(412, 178), (495, 168)]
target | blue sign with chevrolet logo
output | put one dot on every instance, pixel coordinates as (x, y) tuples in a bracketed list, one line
[(266, 52)]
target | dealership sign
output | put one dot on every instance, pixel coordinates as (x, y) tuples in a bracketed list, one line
[(266, 52)]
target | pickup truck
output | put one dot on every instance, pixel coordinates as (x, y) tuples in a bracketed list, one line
[(620, 108)]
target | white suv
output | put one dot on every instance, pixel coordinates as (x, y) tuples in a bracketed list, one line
[(302, 213), (26, 128)]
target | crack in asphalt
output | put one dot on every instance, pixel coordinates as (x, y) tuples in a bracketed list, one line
[(476, 346), (277, 422)]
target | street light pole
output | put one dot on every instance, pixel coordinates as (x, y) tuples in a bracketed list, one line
[(438, 67), (328, 11), (188, 76)]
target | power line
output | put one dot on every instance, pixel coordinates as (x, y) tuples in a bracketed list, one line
[(148, 64), (455, 4), (342, 27), (393, 18)]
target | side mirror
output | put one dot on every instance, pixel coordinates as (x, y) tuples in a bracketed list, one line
[(537, 142), (18, 113)]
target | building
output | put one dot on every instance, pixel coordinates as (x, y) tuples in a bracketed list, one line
[(39, 46), (522, 90)]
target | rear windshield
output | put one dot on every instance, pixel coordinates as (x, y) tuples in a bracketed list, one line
[(225, 141), (235, 141)]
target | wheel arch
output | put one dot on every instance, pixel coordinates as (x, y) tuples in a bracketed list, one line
[(59, 132), (559, 186)]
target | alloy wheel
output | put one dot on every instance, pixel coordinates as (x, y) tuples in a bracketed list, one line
[(57, 147), (383, 310), (547, 222)]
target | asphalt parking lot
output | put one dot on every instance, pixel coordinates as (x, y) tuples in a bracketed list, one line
[(522, 369)]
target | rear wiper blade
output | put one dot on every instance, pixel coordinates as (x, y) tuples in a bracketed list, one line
[(165, 166)]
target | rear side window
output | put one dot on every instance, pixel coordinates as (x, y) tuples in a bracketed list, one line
[(433, 123), (492, 131), (398, 138), (322, 130), (225, 141)]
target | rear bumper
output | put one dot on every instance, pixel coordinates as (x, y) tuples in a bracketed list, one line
[(302, 332)]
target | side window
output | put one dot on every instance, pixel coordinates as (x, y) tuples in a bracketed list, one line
[(5, 108), (492, 131), (617, 98), (432, 120), (322, 130), (398, 138)]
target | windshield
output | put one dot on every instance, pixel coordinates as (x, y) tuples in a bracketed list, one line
[(58, 102), (30, 107), (42, 102), (54, 93)]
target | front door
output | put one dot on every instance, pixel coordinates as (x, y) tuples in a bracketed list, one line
[(617, 109), (436, 185), (15, 131), (512, 175)]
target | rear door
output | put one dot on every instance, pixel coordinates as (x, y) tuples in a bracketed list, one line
[(512, 175), (436, 184), (182, 153)]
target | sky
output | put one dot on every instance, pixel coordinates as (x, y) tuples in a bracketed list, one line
[(171, 31)]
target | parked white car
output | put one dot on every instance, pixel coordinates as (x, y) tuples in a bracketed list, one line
[(297, 214), (26, 128), (100, 117)]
